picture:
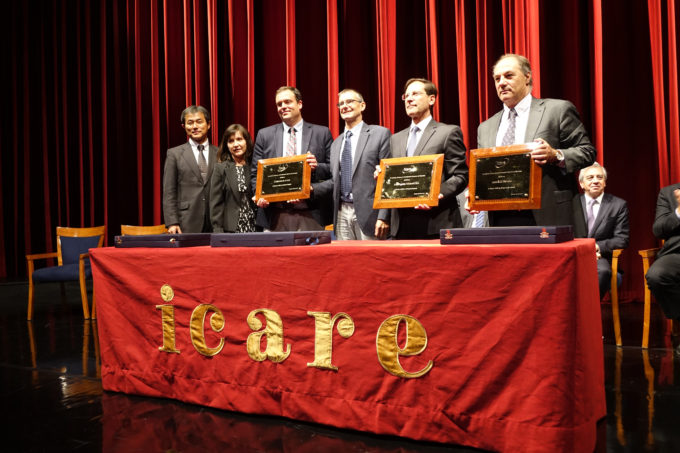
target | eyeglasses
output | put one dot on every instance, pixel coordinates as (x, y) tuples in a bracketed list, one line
[(413, 94), (341, 104)]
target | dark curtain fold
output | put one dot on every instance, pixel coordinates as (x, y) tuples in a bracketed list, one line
[(95, 90)]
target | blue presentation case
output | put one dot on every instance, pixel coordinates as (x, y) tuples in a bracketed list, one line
[(507, 235)]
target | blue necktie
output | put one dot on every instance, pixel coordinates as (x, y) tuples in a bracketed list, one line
[(411, 148), (346, 169), (479, 220)]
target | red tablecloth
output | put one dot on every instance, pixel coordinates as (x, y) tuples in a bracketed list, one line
[(513, 334)]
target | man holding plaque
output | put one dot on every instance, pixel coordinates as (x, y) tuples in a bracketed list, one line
[(354, 154), (601, 216), (562, 146), (290, 138), (186, 176), (663, 276), (426, 136)]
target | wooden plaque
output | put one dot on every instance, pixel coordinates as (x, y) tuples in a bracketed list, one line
[(405, 182), (504, 178), (283, 178)]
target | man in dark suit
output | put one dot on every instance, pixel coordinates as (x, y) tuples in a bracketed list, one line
[(601, 216), (663, 276), (354, 155), (561, 143), (186, 178), (292, 137), (426, 136)]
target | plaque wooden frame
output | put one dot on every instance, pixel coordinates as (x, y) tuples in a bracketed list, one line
[(533, 199), (432, 199), (284, 196)]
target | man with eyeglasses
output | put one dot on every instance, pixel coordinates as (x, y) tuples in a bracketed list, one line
[(186, 176), (291, 137), (562, 146), (426, 136), (354, 154)]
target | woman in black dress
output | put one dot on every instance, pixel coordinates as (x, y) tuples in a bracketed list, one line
[(231, 207)]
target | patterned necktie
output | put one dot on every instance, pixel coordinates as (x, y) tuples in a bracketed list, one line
[(346, 169), (591, 215), (412, 141), (291, 148), (509, 137), (202, 163), (479, 220)]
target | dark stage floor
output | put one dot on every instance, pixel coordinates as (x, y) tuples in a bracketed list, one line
[(52, 399)]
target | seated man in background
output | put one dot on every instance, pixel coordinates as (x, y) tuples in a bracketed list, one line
[(600, 216), (663, 277)]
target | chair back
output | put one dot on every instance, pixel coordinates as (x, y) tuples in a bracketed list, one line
[(71, 242), (136, 230)]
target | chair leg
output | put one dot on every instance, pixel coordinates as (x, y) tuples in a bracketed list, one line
[(31, 267), (93, 315), (83, 291), (614, 293), (648, 303)]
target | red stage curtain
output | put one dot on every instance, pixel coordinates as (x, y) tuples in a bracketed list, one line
[(95, 90), (664, 51)]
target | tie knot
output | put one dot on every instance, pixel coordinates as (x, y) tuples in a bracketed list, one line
[(348, 134), (200, 148), (593, 201), (415, 129), (513, 113), (291, 131)]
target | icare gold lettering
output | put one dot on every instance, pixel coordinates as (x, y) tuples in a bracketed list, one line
[(389, 351), (168, 323), (323, 337), (272, 333), (197, 328)]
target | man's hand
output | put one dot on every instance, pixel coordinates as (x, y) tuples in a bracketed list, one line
[(676, 193), (381, 229), (174, 229), (543, 153), (597, 251), (376, 173), (425, 207), (311, 160), (260, 202)]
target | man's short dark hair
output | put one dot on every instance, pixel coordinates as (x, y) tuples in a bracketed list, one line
[(296, 92), (522, 61), (196, 109), (430, 88)]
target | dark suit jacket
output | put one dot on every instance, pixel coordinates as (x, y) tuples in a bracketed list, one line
[(666, 223), (185, 195), (225, 198), (557, 122), (316, 140), (611, 230), (437, 138), (373, 145)]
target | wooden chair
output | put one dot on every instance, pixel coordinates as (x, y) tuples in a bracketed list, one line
[(73, 262), (614, 295), (647, 256), (136, 230)]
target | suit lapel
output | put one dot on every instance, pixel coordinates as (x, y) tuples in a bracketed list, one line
[(603, 213), (427, 135), (278, 140), (306, 137), (400, 140), (230, 169), (361, 144), (336, 149), (190, 160), (212, 158), (535, 116)]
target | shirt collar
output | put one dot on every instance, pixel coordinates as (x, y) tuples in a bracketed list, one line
[(522, 106), (422, 125), (356, 130), (195, 145), (297, 126)]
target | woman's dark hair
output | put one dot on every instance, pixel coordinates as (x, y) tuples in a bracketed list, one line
[(224, 154)]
